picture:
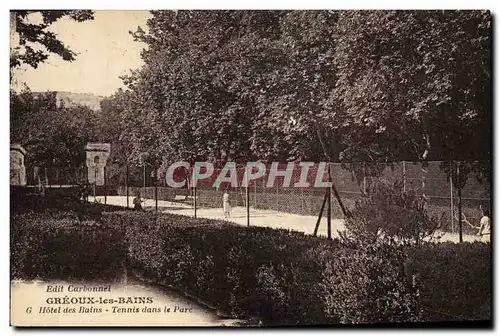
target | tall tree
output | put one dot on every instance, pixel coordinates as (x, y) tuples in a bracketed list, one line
[(32, 35), (312, 85), (409, 78), (52, 133)]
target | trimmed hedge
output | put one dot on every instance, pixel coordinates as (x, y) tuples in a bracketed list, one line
[(455, 280), (279, 276), (48, 247), (288, 277)]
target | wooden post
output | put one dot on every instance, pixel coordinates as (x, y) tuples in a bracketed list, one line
[(144, 181), (105, 188), (320, 214), (195, 197), (247, 196), (451, 198), (156, 189), (459, 192), (329, 209), (277, 194), (255, 194), (126, 183), (302, 201)]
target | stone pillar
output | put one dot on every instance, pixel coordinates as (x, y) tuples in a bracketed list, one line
[(97, 156), (17, 167)]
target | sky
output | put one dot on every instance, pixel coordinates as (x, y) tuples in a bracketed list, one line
[(105, 50)]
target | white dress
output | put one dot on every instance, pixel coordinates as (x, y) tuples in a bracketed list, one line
[(225, 203), (485, 224)]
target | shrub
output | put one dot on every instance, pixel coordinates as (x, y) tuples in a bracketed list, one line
[(43, 247), (368, 284), (280, 276), (391, 213), (455, 280)]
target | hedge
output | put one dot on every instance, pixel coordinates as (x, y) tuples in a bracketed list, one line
[(290, 277), (64, 248), (455, 280), (278, 276)]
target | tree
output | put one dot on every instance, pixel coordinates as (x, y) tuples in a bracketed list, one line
[(343, 86), (31, 35), (417, 86), (289, 125), (191, 84), (408, 77), (54, 135)]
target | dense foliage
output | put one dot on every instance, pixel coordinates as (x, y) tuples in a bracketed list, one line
[(312, 85), (387, 212), (455, 280), (278, 276), (33, 27), (52, 134), (56, 246)]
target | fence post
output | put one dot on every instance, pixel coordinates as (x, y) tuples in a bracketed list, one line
[(144, 183), (126, 183), (364, 177), (277, 195), (105, 187), (247, 196), (302, 201), (266, 203), (194, 197), (404, 176), (156, 188), (255, 194), (459, 191), (329, 209), (320, 215), (193, 189), (451, 198)]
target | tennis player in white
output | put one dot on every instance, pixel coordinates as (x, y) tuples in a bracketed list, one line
[(225, 205)]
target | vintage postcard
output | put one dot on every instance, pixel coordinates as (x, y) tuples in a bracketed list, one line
[(250, 168)]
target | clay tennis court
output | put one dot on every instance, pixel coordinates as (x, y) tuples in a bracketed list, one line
[(258, 217)]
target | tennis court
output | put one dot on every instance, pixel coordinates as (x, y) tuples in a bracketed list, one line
[(258, 217)]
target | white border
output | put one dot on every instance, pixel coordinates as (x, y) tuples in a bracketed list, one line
[(190, 4)]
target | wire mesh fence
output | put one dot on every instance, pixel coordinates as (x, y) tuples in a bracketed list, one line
[(291, 188)]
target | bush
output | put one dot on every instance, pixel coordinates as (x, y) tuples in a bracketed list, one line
[(280, 276), (391, 213), (44, 247), (455, 280), (368, 284)]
